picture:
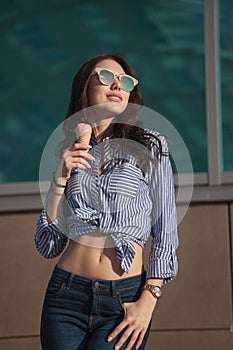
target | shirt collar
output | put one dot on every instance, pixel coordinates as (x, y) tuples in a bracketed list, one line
[(94, 142)]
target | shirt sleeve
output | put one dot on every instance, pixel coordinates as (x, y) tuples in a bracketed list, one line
[(162, 259), (50, 238)]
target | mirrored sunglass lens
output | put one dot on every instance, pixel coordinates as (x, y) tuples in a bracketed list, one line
[(127, 83), (106, 77)]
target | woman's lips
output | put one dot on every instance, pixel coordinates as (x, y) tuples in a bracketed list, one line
[(114, 97)]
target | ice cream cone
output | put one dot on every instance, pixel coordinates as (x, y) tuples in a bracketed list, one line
[(83, 132)]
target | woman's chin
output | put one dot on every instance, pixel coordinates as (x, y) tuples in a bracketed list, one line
[(114, 108), (105, 111)]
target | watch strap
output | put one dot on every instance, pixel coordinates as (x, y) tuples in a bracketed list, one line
[(156, 291)]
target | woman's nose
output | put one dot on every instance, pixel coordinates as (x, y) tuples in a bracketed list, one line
[(116, 85)]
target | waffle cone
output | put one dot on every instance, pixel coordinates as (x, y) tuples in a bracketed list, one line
[(85, 138), (83, 132)]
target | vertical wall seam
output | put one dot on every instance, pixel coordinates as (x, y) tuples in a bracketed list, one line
[(212, 81), (231, 260)]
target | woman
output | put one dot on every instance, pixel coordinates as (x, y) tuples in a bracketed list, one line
[(99, 295)]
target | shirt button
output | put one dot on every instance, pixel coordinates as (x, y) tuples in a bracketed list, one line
[(96, 284)]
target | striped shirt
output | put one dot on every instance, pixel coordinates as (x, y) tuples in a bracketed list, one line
[(127, 202)]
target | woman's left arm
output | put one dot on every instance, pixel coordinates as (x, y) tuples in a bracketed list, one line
[(162, 265), (162, 259)]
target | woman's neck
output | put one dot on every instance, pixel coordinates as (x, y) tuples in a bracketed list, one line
[(99, 129)]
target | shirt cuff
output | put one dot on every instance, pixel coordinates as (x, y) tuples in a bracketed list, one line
[(162, 268)]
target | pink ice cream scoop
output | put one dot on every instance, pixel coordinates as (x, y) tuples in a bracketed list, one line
[(83, 132)]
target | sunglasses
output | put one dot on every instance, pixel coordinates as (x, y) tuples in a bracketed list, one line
[(106, 77)]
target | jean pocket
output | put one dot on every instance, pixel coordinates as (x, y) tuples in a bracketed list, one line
[(55, 288), (128, 297)]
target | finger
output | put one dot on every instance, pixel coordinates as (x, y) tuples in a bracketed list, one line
[(133, 340), (82, 153), (124, 337), (75, 150), (77, 162), (78, 159), (78, 146), (117, 330), (140, 339), (81, 161), (88, 156), (79, 165)]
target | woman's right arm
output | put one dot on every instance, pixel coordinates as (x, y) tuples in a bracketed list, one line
[(75, 157), (51, 234)]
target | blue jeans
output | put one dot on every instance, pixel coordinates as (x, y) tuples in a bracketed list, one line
[(80, 313)]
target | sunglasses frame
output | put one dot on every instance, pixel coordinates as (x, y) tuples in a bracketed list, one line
[(119, 76)]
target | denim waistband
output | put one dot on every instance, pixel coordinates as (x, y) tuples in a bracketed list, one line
[(94, 284)]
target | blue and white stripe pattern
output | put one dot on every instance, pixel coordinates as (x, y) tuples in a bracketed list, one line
[(124, 202)]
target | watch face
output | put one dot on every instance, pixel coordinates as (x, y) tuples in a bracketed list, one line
[(155, 290), (158, 292)]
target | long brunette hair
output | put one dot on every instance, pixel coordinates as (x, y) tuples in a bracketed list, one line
[(132, 129)]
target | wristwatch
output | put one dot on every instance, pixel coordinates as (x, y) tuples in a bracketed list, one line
[(156, 291)]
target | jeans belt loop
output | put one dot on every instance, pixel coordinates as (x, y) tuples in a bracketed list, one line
[(69, 280), (113, 288)]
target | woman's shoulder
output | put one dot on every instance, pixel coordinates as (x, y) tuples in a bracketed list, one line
[(155, 137), (158, 143)]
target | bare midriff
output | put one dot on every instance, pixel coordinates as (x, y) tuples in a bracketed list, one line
[(96, 258)]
